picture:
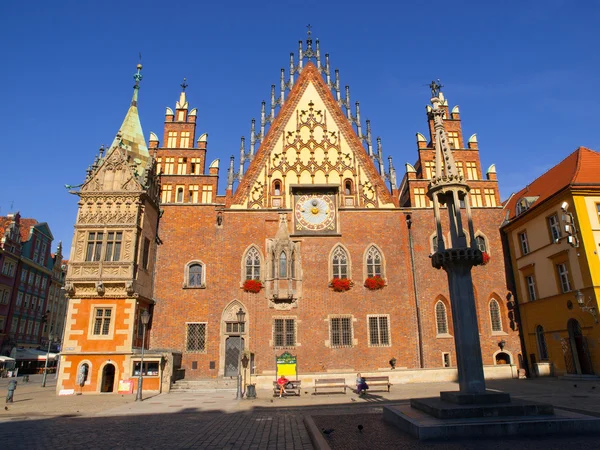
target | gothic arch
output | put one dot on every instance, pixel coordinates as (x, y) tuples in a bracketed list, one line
[(500, 355), (432, 238), (332, 253), (229, 315), (496, 312), (448, 310), (243, 267), (481, 234), (100, 373), (366, 256)]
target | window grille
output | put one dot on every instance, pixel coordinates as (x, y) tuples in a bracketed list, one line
[(374, 263), (563, 274), (195, 275), (102, 321), (196, 337), (441, 318), (94, 246), (284, 333), (113, 246), (252, 264), (554, 227), (341, 331), (379, 331), (481, 243), (340, 263), (495, 315), (541, 342)]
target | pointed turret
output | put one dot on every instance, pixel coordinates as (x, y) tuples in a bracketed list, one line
[(130, 135)]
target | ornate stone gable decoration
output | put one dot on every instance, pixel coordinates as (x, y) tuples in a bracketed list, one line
[(310, 142), (283, 286)]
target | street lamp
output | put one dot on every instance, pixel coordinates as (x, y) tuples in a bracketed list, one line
[(586, 306), (241, 315), (47, 357), (145, 319)]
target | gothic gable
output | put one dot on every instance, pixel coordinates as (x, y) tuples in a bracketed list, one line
[(311, 143), (118, 172)]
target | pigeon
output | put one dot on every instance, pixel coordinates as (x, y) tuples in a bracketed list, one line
[(6, 408), (575, 385), (305, 392), (328, 431), (271, 400), (360, 428), (353, 399)]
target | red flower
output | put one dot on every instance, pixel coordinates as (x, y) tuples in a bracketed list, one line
[(486, 258), (340, 284), (252, 286), (374, 283)]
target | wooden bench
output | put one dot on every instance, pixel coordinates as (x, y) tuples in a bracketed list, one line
[(329, 383), (378, 381), (297, 386)]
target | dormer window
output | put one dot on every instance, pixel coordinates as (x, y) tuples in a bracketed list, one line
[(522, 206)]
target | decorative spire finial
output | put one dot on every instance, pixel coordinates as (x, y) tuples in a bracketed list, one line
[(137, 77), (309, 32), (183, 85)]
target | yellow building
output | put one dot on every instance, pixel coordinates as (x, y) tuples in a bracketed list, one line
[(552, 232)]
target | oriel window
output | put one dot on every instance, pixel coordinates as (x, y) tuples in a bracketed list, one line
[(113, 246), (94, 246)]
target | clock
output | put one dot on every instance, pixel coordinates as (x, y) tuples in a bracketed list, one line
[(315, 212)]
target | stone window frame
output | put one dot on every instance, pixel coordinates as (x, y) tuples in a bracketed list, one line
[(243, 264), (201, 351), (389, 330), (330, 318), (88, 378), (285, 345), (111, 325), (186, 275), (442, 301), (383, 263), (348, 261), (558, 259)]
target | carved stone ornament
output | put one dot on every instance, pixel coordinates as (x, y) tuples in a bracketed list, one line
[(69, 289), (129, 288), (100, 288)]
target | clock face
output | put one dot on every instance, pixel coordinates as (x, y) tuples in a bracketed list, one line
[(315, 212)]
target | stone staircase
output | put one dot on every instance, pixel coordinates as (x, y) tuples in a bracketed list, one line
[(205, 385)]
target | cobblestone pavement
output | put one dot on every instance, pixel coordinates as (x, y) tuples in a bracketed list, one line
[(215, 420)]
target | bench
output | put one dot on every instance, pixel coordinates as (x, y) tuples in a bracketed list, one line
[(329, 383), (297, 386), (378, 381)]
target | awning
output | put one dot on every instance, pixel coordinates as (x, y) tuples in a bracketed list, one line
[(33, 354), (6, 359)]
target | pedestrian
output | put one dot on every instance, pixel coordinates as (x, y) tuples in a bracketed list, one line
[(361, 384), (282, 382), (12, 385)]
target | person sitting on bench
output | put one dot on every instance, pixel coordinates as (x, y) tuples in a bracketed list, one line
[(282, 382), (361, 384)]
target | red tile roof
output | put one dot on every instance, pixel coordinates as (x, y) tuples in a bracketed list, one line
[(4, 223), (26, 224), (580, 168)]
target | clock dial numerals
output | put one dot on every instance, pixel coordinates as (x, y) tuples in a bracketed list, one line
[(315, 212)]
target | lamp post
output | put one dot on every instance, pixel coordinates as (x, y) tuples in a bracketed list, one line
[(145, 319), (47, 357), (240, 317)]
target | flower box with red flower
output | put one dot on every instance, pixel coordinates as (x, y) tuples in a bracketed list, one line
[(374, 283), (341, 284), (252, 286), (486, 258)]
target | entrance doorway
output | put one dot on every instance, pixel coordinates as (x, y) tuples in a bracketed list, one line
[(234, 345), (579, 350), (108, 378)]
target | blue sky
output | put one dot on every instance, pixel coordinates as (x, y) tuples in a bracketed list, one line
[(523, 72)]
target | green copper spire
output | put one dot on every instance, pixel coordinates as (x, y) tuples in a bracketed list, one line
[(137, 77)]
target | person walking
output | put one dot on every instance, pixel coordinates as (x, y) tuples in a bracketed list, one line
[(12, 385)]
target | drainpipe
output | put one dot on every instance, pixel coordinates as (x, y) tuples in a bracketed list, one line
[(416, 290)]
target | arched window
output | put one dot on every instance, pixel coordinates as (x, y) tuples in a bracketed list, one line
[(195, 275), (435, 243), (277, 187), (481, 245), (374, 263), (253, 264), (495, 315), (339, 263), (348, 187), (441, 318), (541, 343), (180, 195), (282, 265)]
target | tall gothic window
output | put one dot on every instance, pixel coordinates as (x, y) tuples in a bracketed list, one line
[(495, 315), (252, 264), (374, 261), (441, 318), (481, 243), (282, 265), (339, 263)]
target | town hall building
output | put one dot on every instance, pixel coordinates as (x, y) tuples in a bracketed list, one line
[(315, 248)]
